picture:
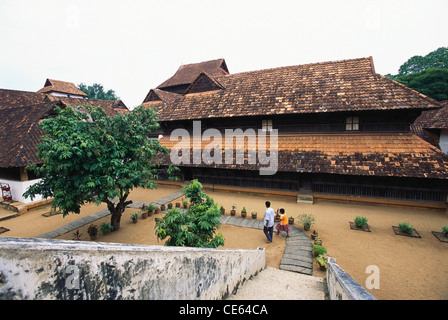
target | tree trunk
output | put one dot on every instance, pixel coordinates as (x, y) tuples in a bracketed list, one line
[(117, 211)]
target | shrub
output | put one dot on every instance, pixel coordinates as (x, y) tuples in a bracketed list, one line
[(360, 221), (307, 220), (135, 215), (319, 250), (405, 227), (106, 227), (194, 228), (150, 207), (445, 230)]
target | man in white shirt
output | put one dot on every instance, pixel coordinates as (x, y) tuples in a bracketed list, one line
[(268, 220)]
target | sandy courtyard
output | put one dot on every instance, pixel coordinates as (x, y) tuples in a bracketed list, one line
[(409, 268)]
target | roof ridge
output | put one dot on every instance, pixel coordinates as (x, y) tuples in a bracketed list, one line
[(299, 65)]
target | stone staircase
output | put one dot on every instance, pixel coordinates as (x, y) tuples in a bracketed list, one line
[(275, 284)]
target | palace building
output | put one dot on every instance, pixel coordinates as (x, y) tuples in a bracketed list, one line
[(344, 131)]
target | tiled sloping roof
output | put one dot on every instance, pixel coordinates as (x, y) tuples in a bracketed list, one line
[(20, 112), (112, 107), (61, 86), (161, 95), (347, 85), (14, 98), (20, 134), (398, 155), (186, 74), (434, 119)]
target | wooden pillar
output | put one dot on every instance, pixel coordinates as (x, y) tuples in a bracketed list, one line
[(23, 174)]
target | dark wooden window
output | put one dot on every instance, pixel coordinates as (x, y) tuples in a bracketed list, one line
[(352, 124)]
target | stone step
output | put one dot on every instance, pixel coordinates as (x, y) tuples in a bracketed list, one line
[(275, 284), (305, 198)]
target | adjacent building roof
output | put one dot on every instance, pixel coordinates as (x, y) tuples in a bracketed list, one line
[(346, 85), (394, 154), (186, 74), (61, 87), (20, 113), (434, 119)]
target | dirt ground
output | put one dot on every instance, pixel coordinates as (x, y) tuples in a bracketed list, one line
[(409, 268)]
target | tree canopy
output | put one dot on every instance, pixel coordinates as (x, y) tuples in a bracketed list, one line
[(97, 92), (427, 75), (436, 59), (89, 157)]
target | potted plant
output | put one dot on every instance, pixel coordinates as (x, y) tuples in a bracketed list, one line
[(322, 261), (317, 241), (145, 213), (243, 212), (170, 206), (233, 211), (92, 231), (77, 235), (318, 250), (291, 220), (254, 214), (223, 211), (162, 207), (134, 217), (314, 235), (185, 203), (177, 204), (150, 208), (307, 220), (106, 228)]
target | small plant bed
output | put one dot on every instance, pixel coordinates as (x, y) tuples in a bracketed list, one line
[(441, 236), (3, 229), (51, 213), (404, 229), (354, 226)]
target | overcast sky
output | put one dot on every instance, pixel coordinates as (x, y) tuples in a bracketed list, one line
[(133, 46)]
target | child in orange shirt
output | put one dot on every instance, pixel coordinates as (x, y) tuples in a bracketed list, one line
[(283, 225)]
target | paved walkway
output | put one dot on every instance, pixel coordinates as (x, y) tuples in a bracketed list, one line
[(74, 225), (297, 256)]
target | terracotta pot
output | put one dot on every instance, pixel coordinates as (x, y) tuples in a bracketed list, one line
[(232, 212), (223, 211), (291, 220), (243, 215), (144, 215), (170, 206), (163, 207), (254, 216), (177, 204)]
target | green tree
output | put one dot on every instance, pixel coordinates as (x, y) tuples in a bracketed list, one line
[(427, 75), (89, 157), (435, 59), (431, 82), (97, 92), (196, 227)]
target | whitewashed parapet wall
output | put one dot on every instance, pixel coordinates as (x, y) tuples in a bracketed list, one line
[(341, 286), (74, 270)]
